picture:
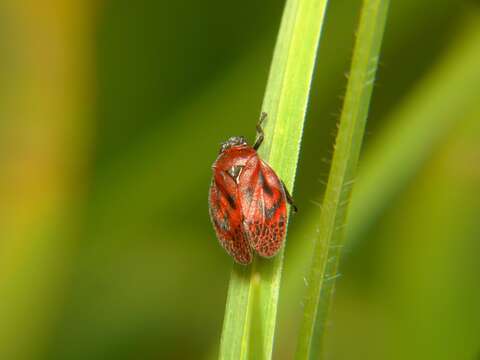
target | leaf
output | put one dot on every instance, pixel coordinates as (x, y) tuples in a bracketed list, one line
[(251, 309), (326, 252)]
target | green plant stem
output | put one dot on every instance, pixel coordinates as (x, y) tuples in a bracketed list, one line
[(347, 148), (250, 313), (415, 129)]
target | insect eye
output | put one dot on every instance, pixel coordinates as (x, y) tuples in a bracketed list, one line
[(233, 141)]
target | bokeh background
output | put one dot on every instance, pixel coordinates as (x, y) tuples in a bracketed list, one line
[(111, 113)]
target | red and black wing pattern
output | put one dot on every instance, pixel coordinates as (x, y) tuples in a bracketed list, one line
[(264, 207), (226, 216)]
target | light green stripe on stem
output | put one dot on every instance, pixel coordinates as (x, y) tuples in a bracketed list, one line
[(326, 253), (251, 309)]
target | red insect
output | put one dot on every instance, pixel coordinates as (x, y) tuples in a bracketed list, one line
[(247, 201)]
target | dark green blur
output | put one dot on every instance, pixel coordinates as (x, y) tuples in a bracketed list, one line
[(106, 248)]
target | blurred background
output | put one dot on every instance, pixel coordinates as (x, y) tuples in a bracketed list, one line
[(111, 114)]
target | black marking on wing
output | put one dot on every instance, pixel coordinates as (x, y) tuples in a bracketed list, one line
[(266, 188), (231, 201), (271, 211), (222, 224), (248, 194)]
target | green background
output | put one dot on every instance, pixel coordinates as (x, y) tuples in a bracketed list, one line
[(111, 114)]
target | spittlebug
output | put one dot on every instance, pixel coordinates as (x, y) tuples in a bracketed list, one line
[(247, 200)]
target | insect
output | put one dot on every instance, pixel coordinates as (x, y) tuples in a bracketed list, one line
[(247, 200)]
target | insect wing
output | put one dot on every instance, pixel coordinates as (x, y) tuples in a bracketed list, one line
[(226, 216), (264, 207)]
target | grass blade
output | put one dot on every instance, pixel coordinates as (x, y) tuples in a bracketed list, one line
[(250, 313), (348, 143), (416, 129)]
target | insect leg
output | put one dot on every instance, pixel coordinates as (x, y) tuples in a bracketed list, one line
[(289, 198), (260, 133)]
